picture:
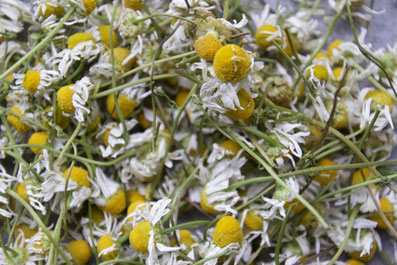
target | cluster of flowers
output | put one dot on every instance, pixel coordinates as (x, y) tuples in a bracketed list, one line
[(125, 121)]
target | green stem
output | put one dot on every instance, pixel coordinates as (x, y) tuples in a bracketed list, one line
[(38, 47), (281, 234), (164, 15), (40, 223), (70, 140), (225, 252), (192, 224), (342, 247)]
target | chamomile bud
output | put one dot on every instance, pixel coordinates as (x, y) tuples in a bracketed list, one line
[(49, 9), (127, 106), (120, 55), (116, 203), (97, 215), (39, 138), (362, 175), (279, 91), (367, 257), (21, 191), (318, 71), (231, 63), (389, 64), (104, 32), (104, 243), (326, 176), (379, 98), (334, 45), (227, 231), (340, 118), (133, 4), (94, 124), (247, 104), (321, 55), (253, 222), (65, 99), (185, 237), (353, 262), (205, 205), (89, 5), (265, 34), (16, 122), (17, 255), (106, 137), (60, 120), (386, 206), (143, 121), (231, 146), (80, 251), (139, 236), (207, 46), (31, 81), (134, 195), (78, 175), (79, 38)]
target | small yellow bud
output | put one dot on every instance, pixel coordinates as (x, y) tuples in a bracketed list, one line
[(120, 54), (322, 56), (16, 122), (207, 46), (105, 242), (319, 71), (78, 175), (89, 5), (181, 97), (386, 207), (143, 122), (93, 125), (246, 102), (231, 146), (47, 10), (116, 203), (134, 195), (79, 38), (65, 99), (133, 4), (379, 98), (21, 191), (27, 232), (367, 257), (61, 121), (227, 231), (362, 175), (231, 63), (31, 81), (330, 173), (139, 237), (127, 106), (253, 222), (354, 262), (80, 251), (262, 35), (104, 32), (39, 138), (334, 45)]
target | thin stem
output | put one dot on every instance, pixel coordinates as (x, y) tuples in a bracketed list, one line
[(163, 15), (68, 143)]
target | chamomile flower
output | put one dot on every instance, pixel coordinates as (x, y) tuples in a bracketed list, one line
[(361, 196)]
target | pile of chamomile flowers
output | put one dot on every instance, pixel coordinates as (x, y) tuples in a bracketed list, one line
[(195, 132)]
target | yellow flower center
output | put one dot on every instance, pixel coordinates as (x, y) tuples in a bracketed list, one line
[(127, 106), (97, 215), (231, 63), (134, 195), (65, 99), (139, 237), (207, 207), (362, 175), (354, 262), (89, 5), (78, 175), (227, 231), (92, 127), (27, 232), (104, 32), (119, 56), (367, 257), (39, 138), (79, 38), (246, 102), (326, 175), (47, 10), (318, 71), (186, 237), (31, 81), (181, 97), (21, 191), (322, 56), (262, 35), (379, 98), (253, 222), (80, 251), (16, 122), (340, 118), (143, 122), (61, 121), (116, 203), (231, 146), (207, 46), (334, 45), (386, 207), (133, 4), (106, 242)]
